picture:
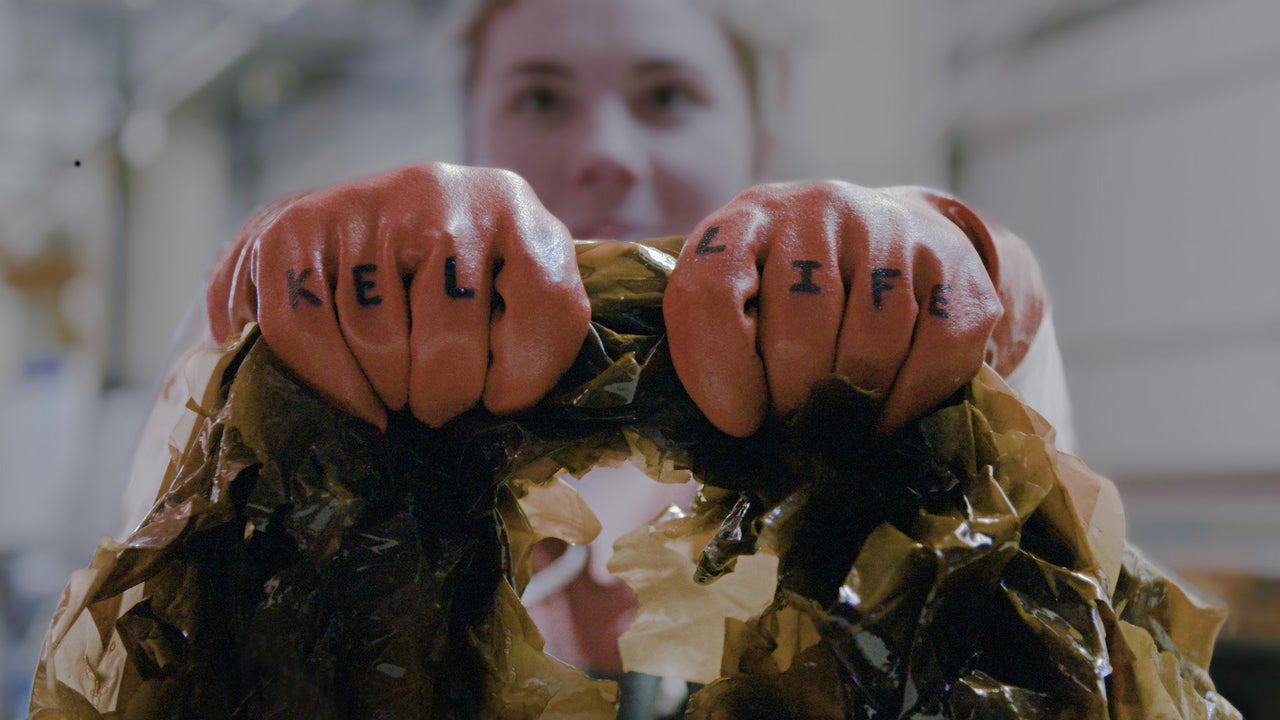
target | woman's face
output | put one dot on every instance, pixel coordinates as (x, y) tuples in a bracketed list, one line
[(629, 119)]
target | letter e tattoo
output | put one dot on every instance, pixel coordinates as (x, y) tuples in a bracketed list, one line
[(364, 284)]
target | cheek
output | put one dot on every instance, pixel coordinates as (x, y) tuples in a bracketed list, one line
[(702, 168), (535, 155)]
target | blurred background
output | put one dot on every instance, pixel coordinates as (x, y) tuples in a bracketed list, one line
[(1132, 143)]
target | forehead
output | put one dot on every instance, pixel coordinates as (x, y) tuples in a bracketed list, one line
[(599, 33)]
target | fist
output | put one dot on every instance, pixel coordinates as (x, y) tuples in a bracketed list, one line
[(789, 283), (432, 286)]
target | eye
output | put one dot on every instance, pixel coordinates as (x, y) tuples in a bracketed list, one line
[(668, 103), (669, 97), (540, 101)]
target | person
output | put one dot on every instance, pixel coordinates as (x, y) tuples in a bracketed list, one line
[(438, 287)]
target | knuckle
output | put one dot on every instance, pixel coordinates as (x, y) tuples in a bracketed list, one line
[(510, 185), (455, 350), (565, 305), (825, 191)]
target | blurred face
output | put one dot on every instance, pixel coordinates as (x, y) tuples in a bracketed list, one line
[(630, 118)]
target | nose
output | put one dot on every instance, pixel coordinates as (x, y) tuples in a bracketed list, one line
[(609, 153)]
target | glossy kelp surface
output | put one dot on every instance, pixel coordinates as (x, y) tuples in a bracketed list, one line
[(298, 563)]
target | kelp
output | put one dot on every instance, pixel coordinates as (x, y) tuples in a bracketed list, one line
[(304, 565), (932, 602), (299, 563), (960, 569)]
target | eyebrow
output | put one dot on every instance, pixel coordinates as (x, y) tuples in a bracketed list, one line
[(549, 68), (542, 68), (660, 65)]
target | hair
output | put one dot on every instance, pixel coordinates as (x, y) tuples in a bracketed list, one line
[(760, 34)]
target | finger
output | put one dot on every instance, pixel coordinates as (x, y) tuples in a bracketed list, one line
[(231, 301), (297, 314), (712, 322), (231, 298), (372, 305), (802, 299), (881, 310), (958, 310), (449, 302), (543, 316)]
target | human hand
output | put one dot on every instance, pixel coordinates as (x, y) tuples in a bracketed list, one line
[(790, 282), (433, 285)]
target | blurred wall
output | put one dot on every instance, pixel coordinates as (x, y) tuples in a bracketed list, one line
[(177, 221), (1135, 150), (873, 103)]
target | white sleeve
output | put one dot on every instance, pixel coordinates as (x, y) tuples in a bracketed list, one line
[(1041, 382)]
